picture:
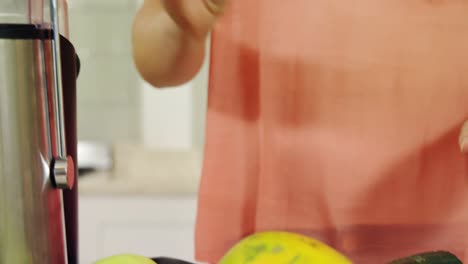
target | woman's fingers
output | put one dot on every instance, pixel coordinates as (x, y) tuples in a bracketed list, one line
[(215, 6), (195, 16), (463, 139)]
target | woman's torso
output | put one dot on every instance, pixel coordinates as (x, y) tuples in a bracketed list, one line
[(340, 120)]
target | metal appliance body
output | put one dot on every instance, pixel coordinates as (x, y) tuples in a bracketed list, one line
[(32, 211)]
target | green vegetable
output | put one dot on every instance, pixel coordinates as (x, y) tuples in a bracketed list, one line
[(126, 259), (436, 257)]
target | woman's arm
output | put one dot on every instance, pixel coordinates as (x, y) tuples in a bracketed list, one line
[(169, 38)]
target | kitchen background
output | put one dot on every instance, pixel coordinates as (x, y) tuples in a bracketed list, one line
[(140, 149)]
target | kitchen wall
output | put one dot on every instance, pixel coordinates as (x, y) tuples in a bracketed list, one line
[(108, 86), (181, 126), (114, 103), (156, 136), (145, 203)]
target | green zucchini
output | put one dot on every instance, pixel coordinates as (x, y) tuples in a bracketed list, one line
[(436, 257)]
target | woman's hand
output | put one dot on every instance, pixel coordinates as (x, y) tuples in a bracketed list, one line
[(195, 16), (215, 6), (463, 139), (169, 38)]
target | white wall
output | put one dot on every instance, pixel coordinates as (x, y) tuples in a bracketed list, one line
[(108, 85), (174, 118), (167, 117), (114, 104), (157, 135)]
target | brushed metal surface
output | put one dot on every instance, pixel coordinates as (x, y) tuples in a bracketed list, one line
[(31, 211)]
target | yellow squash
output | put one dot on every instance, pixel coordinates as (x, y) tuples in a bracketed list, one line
[(125, 259), (282, 248)]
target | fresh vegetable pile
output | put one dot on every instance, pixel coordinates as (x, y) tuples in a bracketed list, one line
[(286, 248)]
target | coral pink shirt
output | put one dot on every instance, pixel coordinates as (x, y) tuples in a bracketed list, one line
[(338, 119)]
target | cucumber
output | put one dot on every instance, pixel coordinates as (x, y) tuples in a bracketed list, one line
[(436, 257)]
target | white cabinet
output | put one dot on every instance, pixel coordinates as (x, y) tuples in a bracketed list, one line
[(147, 225)]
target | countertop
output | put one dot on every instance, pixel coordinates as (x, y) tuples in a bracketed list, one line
[(137, 170)]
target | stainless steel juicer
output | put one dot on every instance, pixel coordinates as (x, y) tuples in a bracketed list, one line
[(38, 193)]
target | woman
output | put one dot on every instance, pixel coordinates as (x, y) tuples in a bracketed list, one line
[(336, 119)]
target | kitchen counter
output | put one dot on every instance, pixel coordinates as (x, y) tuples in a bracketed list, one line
[(137, 170)]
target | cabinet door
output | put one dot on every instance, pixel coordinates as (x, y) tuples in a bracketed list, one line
[(147, 226), (154, 239)]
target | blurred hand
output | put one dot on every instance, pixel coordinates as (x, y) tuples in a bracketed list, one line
[(463, 139), (196, 16), (169, 38), (215, 6)]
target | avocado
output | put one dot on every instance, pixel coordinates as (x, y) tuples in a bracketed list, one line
[(435, 257)]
